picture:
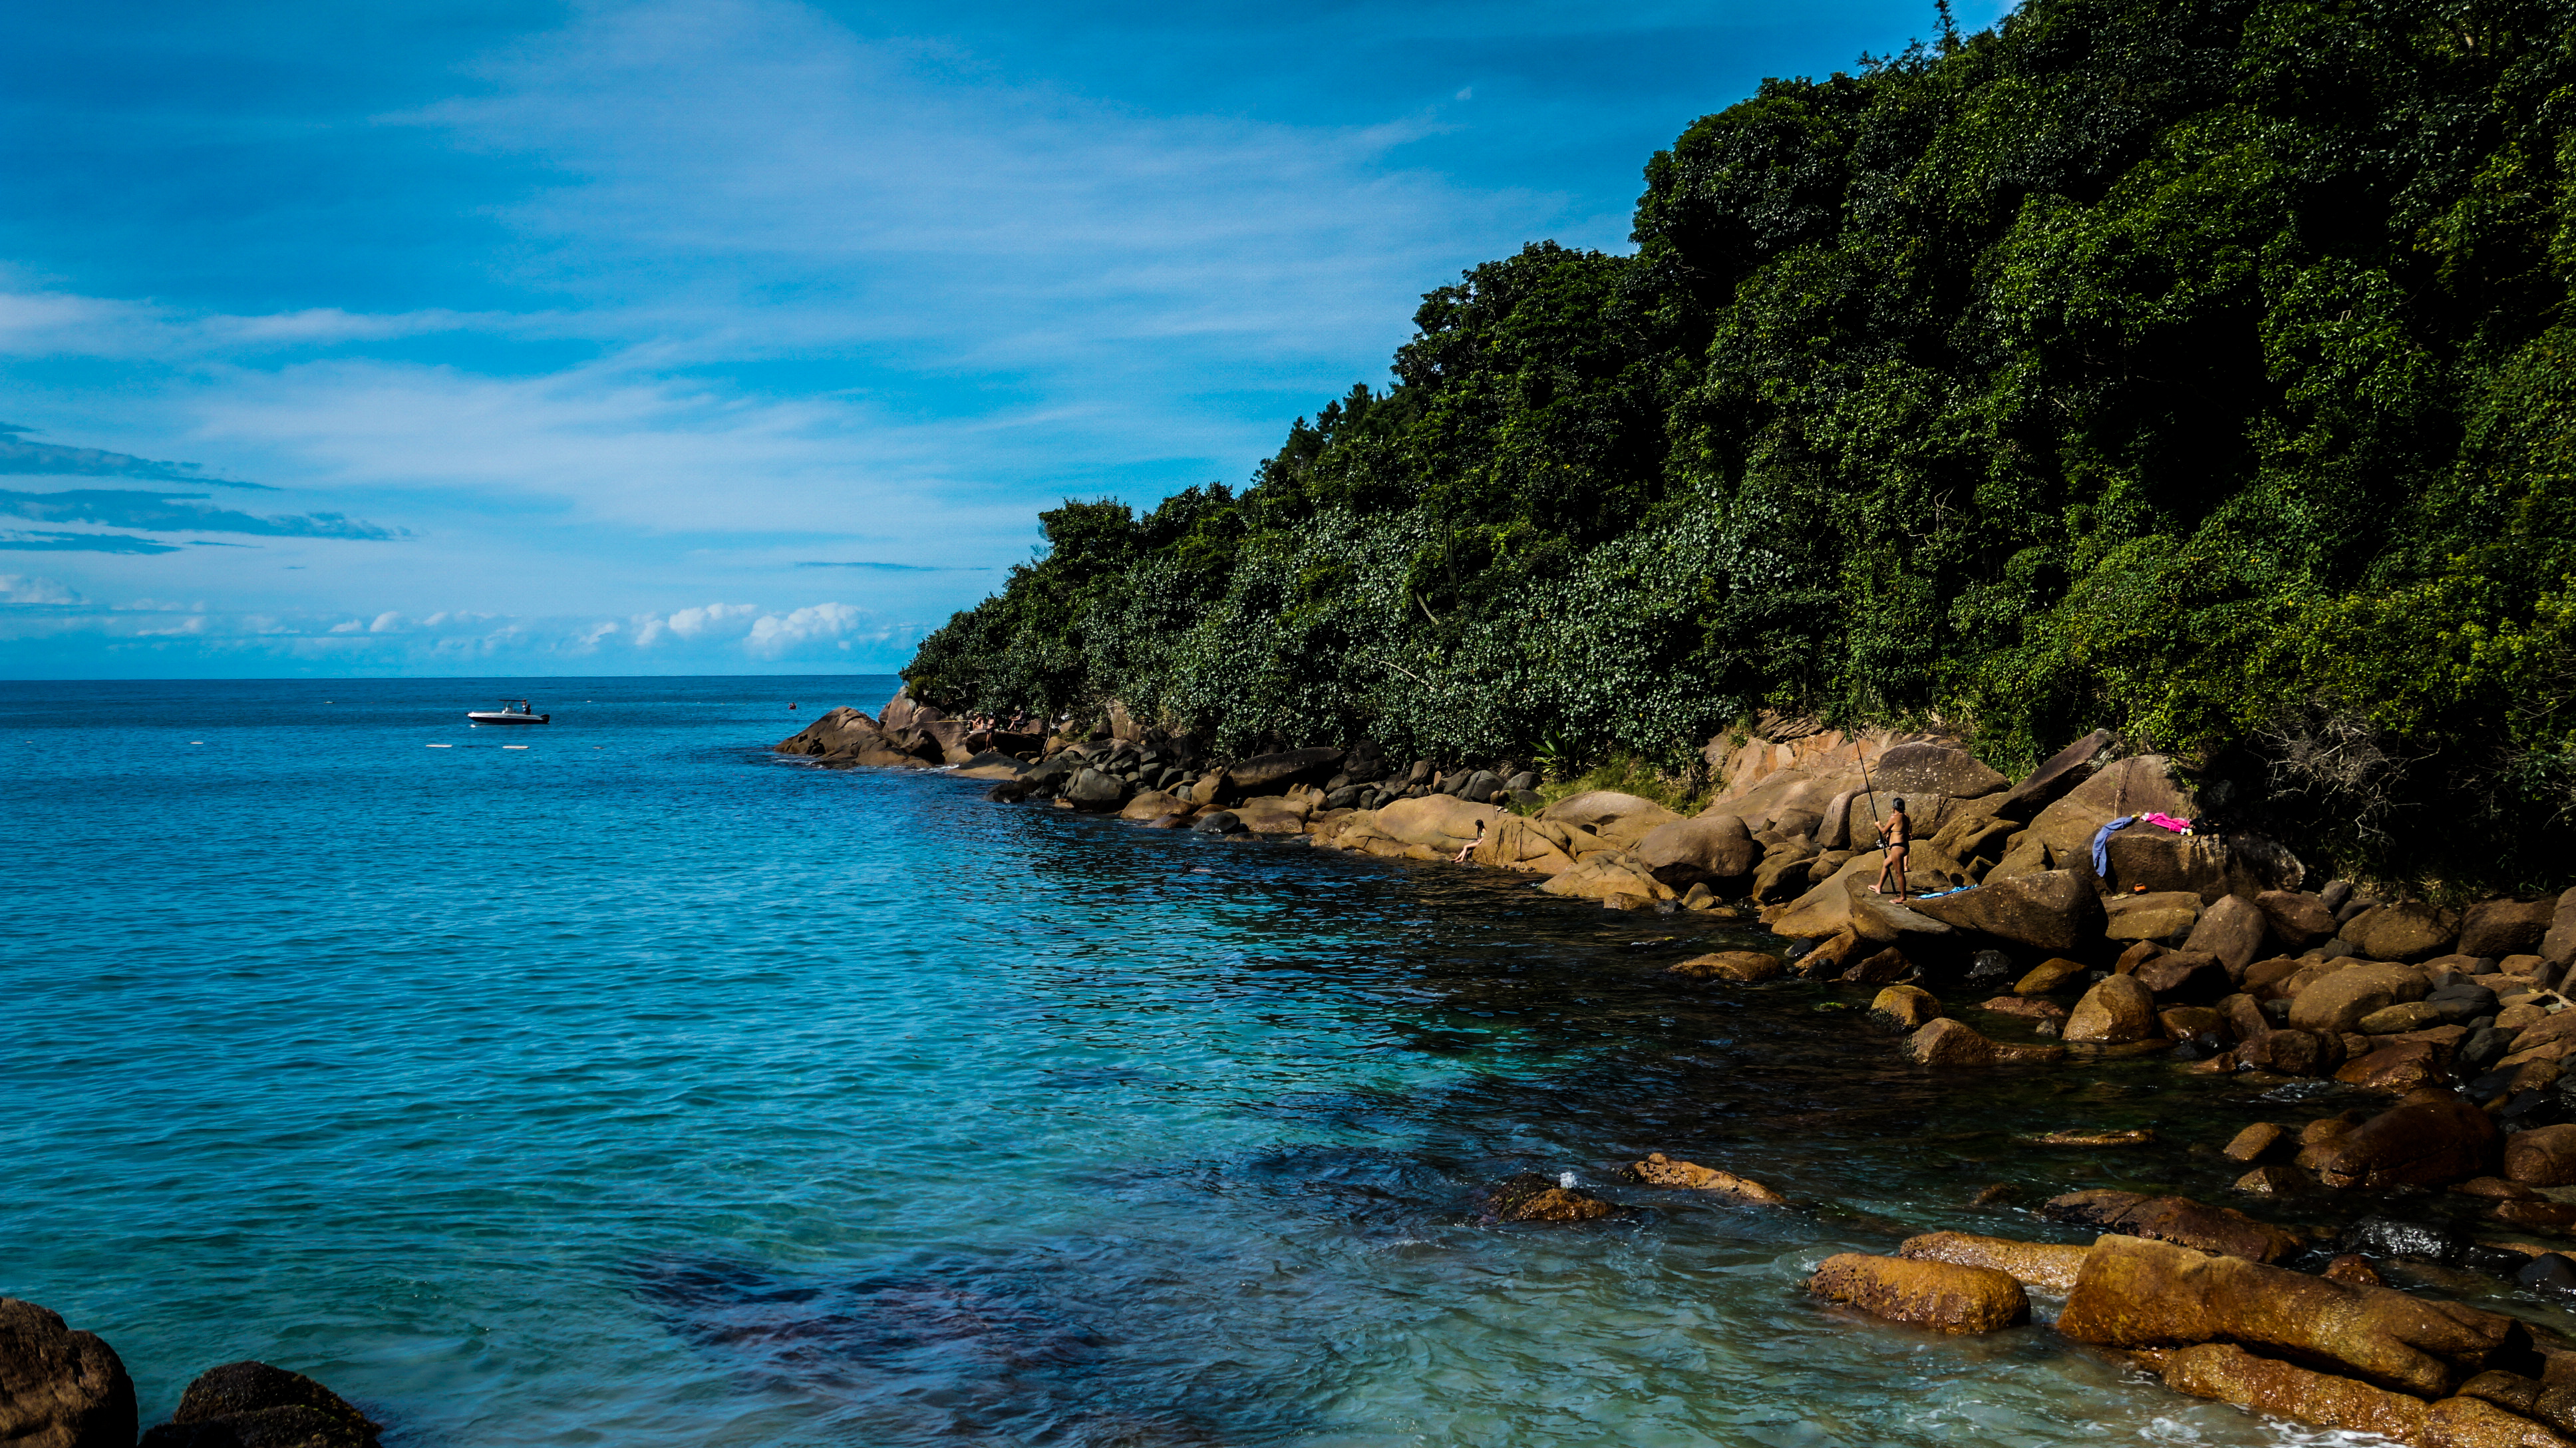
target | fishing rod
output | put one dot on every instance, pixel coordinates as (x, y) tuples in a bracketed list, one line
[(1881, 829)]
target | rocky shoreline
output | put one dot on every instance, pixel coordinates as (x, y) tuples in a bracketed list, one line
[(2215, 950), (61, 1388)]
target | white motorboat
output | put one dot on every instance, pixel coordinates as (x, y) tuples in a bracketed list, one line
[(507, 715)]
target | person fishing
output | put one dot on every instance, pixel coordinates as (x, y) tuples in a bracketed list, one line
[(1894, 833)]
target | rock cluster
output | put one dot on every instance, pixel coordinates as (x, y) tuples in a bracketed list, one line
[(65, 1389)]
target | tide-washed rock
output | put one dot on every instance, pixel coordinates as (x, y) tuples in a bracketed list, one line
[(1906, 1007), (2178, 1220), (1602, 876), (2136, 1293), (1659, 1170), (2353, 1268), (2336, 1002), (2399, 1019), (2284, 1390), (2258, 1141), (2466, 1422), (1530, 1197), (2272, 1179), (1742, 965), (2498, 928), (2403, 932), (59, 1388), (2404, 1066), (1946, 1042), (2543, 1157), (2186, 977), (2052, 1265), (2029, 1008), (1153, 804), (1096, 791), (2093, 1140), (2051, 910), (2299, 919), (1217, 822), (2049, 976), (2232, 929), (1273, 814), (2291, 1053), (2116, 1010), (254, 1405), (1940, 1295), (1879, 968), (2430, 1138)]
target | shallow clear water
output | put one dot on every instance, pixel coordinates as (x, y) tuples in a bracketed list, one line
[(640, 1087)]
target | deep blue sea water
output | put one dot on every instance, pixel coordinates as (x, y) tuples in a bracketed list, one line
[(641, 1087)]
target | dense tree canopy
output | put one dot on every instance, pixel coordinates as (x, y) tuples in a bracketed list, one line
[(2200, 369)]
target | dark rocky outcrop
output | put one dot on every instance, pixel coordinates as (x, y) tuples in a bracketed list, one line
[(2430, 1138), (59, 1388), (254, 1405), (2050, 910), (2179, 1220), (1274, 773)]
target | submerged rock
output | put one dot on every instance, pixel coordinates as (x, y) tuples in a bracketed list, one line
[(2284, 1390), (1530, 1197), (2116, 1010), (1658, 1170), (60, 1388), (2179, 1220), (1946, 1042), (2429, 1139), (1905, 1007), (1741, 965), (1944, 1296), (2052, 1265)]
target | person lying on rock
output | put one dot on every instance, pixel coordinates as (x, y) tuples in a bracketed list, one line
[(1894, 832), (1469, 848)]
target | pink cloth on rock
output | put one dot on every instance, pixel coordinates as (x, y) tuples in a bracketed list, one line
[(2168, 822)]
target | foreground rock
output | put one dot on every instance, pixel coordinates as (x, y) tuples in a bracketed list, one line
[(1740, 965), (2050, 1265), (1946, 1042), (2135, 1293), (2180, 1220), (1945, 1296), (59, 1388), (1530, 1197), (2430, 1138), (2283, 1390), (1658, 1170), (254, 1405)]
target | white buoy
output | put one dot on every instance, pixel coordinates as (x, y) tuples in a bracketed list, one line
[(514, 746), (442, 746), (1565, 1179)]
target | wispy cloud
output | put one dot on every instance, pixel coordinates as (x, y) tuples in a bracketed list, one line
[(23, 588), (39, 540), (906, 567), (178, 513), (17, 455)]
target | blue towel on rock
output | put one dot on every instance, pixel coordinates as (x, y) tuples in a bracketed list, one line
[(2102, 846)]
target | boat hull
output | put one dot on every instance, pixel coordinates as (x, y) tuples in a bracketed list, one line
[(498, 718)]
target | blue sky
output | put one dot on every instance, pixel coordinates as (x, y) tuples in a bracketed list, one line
[(734, 336)]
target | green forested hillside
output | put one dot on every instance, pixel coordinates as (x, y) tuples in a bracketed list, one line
[(2197, 368)]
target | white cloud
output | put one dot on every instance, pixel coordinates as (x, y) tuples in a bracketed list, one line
[(386, 622), (711, 620), (27, 588), (775, 636)]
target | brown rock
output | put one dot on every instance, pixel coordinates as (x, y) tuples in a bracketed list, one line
[(2559, 945), (59, 1388), (2254, 1143), (1940, 1295), (2299, 919), (2157, 915), (2272, 1179), (2291, 1053), (2186, 977), (2477, 1423), (2401, 932), (2056, 774), (2116, 1009), (2347, 1267), (2026, 1008), (2282, 1390), (1881, 968), (2429, 1139), (2093, 1140), (2498, 928), (2337, 1002), (1658, 1170), (1934, 769), (2244, 1015), (2496, 1188), (2404, 1066), (1682, 853), (2232, 929), (2137, 1293), (1905, 1006), (2398, 1019), (2135, 956), (1532, 1198), (1946, 1042), (2178, 1220), (1740, 965), (2263, 977), (2037, 1264), (2050, 910), (253, 1403), (2538, 1216), (1832, 956), (2049, 976), (2543, 1157)]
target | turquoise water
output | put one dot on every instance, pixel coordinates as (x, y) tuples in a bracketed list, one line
[(640, 1087)]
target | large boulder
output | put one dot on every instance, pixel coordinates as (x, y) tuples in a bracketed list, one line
[(1600, 876), (2160, 915), (2136, 1293), (2051, 1265), (2116, 1010), (2411, 931), (1941, 1295), (1274, 773), (2185, 977), (2056, 775), (2430, 1138), (2163, 861), (59, 1388), (2542, 1157), (1622, 819), (2300, 919), (1933, 771), (1096, 791), (1443, 822), (254, 1405), (2232, 929), (1842, 902), (2142, 784), (2559, 945), (1273, 814), (2278, 1389), (2336, 1002), (2054, 911), (1682, 853), (1946, 1042), (2498, 928)]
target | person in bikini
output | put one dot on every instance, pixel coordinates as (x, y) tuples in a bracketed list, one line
[(1894, 833)]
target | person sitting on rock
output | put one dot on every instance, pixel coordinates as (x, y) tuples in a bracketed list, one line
[(1469, 848), (1894, 833)]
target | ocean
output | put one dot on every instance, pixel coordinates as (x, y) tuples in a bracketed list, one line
[(622, 1082)]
